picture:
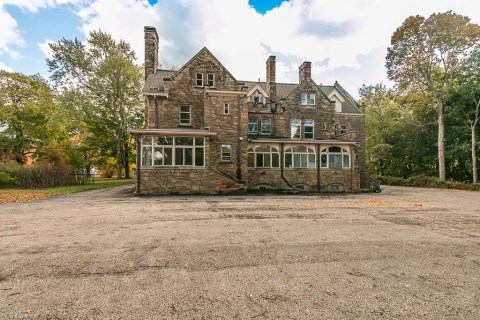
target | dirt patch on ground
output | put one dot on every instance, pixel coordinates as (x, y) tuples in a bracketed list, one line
[(405, 253)]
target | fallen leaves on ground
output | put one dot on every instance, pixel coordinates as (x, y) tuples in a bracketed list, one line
[(13, 196)]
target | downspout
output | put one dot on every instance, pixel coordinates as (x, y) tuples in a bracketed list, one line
[(351, 168), (318, 168), (282, 162), (139, 159), (156, 112), (239, 139)]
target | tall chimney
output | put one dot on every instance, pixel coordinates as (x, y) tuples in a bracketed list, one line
[(151, 50), (271, 84), (305, 72)]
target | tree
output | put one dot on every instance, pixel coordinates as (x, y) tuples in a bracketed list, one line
[(31, 120), (425, 57), (103, 72)]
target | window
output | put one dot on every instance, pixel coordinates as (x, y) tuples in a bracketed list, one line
[(300, 157), (210, 79), (185, 115), (266, 127), (226, 151), (295, 129), (334, 158), (343, 129), (263, 156), (256, 99), (324, 127), (226, 108), (308, 124), (252, 125), (170, 151), (199, 79), (307, 99)]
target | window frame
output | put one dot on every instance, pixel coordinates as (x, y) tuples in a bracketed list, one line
[(180, 112), (266, 120), (213, 80), (195, 149), (254, 154), (298, 132), (310, 125), (226, 108), (343, 157), (197, 80), (343, 129), (226, 156), (299, 157), (253, 121)]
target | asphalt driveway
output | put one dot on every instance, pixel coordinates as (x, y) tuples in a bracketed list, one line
[(405, 253)]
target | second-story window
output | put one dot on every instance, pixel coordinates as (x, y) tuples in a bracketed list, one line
[(295, 129), (307, 99), (210, 79), (266, 126), (199, 82), (252, 125), (343, 129), (308, 130), (185, 115), (226, 108)]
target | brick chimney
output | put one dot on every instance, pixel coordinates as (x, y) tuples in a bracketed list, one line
[(305, 72), (271, 85), (151, 50)]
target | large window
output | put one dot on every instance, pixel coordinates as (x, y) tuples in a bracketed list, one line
[(300, 157), (172, 151), (295, 128), (308, 124), (334, 158), (307, 99), (260, 125), (185, 115), (263, 156)]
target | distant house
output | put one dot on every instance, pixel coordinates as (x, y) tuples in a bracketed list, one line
[(207, 132)]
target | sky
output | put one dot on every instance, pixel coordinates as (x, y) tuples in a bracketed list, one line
[(346, 41)]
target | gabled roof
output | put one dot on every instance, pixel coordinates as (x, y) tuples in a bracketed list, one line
[(204, 50), (283, 89), (255, 88), (349, 105)]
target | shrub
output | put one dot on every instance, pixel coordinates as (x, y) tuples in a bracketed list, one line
[(7, 181), (427, 182)]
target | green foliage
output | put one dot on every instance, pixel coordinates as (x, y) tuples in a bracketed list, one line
[(101, 87), (7, 181), (424, 181)]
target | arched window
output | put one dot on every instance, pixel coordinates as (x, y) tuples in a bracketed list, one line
[(300, 157), (263, 156), (334, 158)]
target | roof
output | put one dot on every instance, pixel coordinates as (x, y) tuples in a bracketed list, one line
[(349, 105), (154, 82), (283, 89)]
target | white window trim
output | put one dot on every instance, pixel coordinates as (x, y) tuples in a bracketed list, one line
[(196, 79), (303, 102), (310, 150), (213, 80), (299, 125), (189, 115), (226, 106), (309, 126), (343, 152), (252, 150), (229, 148), (195, 148), (261, 125), (341, 129)]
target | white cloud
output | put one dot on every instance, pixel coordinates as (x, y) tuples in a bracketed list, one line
[(45, 48), (9, 34), (5, 67)]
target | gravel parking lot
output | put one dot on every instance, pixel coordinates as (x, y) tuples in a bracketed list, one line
[(404, 253)]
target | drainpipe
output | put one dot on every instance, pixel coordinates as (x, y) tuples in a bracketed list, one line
[(318, 168), (239, 139), (139, 160), (282, 162)]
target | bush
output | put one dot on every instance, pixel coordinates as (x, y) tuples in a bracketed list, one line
[(7, 181), (427, 182)]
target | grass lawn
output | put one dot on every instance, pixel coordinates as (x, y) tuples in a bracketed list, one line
[(22, 195)]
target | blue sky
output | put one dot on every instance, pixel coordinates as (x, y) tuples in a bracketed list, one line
[(345, 40)]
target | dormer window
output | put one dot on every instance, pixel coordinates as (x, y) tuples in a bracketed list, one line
[(256, 99), (199, 82), (307, 99), (210, 80)]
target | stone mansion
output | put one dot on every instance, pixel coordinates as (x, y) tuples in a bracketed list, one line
[(207, 132)]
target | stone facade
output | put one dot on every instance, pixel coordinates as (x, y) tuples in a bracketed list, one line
[(211, 133)]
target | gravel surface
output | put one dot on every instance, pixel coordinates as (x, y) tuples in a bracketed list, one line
[(405, 253)]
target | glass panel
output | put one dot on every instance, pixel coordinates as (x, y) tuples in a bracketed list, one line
[(199, 141), (179, 156), (168, 156), (303, 98), (226, 152), (311, 100), (210, 79), (288, 160), (308, 122), (146, 156), (275, 160), (300, 149), (334, 149), (296, 161), (146, 140), (259, 157), (323, 160), (346, 161), (252, 126), (266, 159), (250, 160), (262, 148), (308, 132), (158, 156), (184, 141), (303, 161), (311, 161), (199, 157), (163, 141), (335, 161), (266, 125), (185, 109), (188, 156)]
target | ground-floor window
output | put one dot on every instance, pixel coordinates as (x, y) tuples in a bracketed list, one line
[(300, 157), (334, 158), (173, 151), (226, 152), (263, 156)]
